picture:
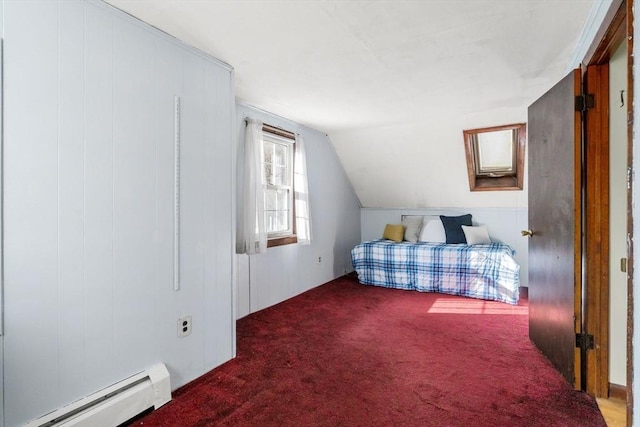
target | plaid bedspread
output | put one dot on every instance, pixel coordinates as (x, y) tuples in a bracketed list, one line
[(478, 271)]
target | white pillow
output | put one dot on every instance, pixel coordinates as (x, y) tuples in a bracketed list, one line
[(433, 231), (477, 235), (412, 226)]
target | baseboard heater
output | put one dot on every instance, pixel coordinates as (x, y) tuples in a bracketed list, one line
[(115, 404)]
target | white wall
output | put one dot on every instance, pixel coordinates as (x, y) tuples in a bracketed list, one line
[(285, 271), (1, 246), (504, 226), (88, 193), (618, 218), (423, 165)]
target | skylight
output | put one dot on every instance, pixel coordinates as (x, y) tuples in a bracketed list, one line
[(495, 157)]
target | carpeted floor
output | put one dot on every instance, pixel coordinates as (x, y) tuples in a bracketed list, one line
[(346, 354)]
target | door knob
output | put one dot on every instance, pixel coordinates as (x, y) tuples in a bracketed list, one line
[(527, 233)]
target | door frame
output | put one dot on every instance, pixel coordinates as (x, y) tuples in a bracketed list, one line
[(630, 247), (596, 229), (617, 25)]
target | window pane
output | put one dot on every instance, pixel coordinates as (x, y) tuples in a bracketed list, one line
[(280, 154), (280, 175), (270, 221), (268, 174), (277, 221), (276, 198), (270, 199), (268, 152), (283, 220), (283, 199), (495, 151), (277, 210)]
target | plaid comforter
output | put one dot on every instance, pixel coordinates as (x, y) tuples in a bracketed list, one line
[(478, 271)]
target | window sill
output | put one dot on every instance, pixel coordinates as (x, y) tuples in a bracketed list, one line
[(496, 184), (281, 241)]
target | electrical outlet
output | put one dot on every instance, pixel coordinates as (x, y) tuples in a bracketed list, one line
[(319, 260), (184, 326)]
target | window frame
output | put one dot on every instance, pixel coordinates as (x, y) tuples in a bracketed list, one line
[(499, 180), (277, 135)]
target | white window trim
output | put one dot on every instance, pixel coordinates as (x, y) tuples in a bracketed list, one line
[(273, 138)]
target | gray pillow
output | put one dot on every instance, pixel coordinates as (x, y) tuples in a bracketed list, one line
[(412, 227), (478, 235)]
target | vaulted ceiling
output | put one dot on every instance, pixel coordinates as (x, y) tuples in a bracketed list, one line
[(393, 83)]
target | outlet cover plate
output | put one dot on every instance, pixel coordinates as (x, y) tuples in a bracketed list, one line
[(184, 326)]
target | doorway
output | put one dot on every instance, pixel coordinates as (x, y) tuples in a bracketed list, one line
[(605, 256), (583, 298), (618, 223)]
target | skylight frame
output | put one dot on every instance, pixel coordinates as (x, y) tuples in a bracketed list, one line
[(502, 178)]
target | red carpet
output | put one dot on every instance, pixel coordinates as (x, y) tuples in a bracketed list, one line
[(346, 354)]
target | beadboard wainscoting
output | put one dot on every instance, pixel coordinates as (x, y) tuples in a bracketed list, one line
[(504, 225)]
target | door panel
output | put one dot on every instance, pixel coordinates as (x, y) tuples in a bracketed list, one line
[(554, 217)]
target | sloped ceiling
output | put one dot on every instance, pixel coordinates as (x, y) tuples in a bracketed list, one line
[(393, 83)]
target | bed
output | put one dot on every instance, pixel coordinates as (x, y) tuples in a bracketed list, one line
[(486, 271)]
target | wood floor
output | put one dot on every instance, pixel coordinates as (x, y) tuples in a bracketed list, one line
[(614, 412)]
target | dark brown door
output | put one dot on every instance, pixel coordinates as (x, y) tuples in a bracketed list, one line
[(554, 218)]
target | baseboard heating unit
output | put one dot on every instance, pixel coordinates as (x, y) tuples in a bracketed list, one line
[(115, 404)]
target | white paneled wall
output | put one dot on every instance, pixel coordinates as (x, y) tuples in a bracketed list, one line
[(89, 204), (504, 225), (1, 248), (285, 271)]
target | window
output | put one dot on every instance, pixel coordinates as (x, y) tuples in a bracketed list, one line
[(279, 205), (495, 157)]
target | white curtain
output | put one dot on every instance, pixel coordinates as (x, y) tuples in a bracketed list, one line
[(253, 230), (301, 186)]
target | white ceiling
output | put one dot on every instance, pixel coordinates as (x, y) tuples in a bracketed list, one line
[(382, 77)]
